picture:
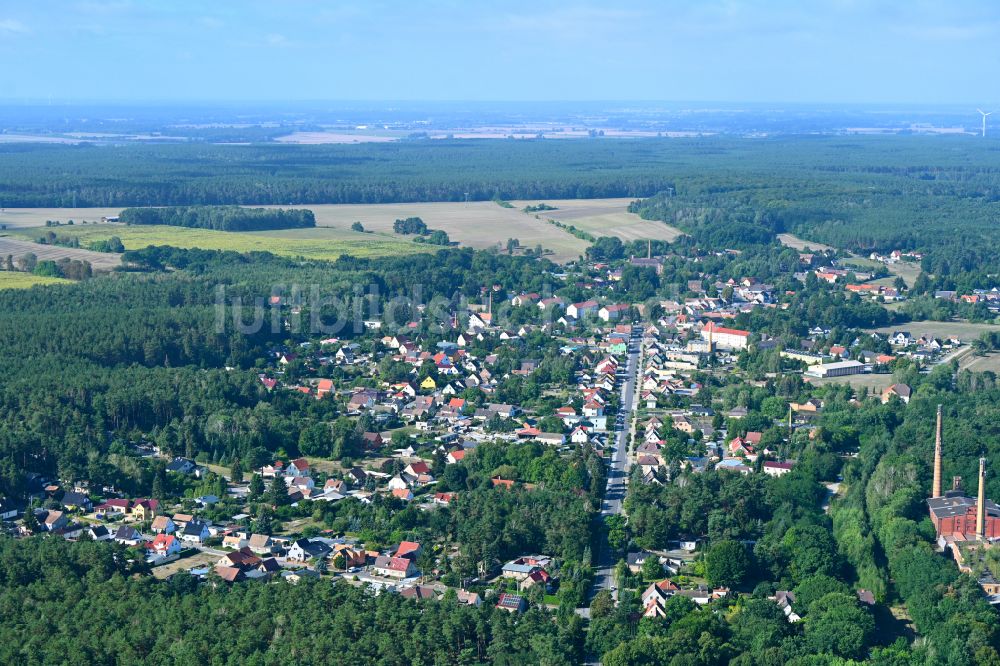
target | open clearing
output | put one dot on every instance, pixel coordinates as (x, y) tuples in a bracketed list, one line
[(324, 245), (15, 280), (37, 217), (604, 217), (974, 363), (965, 331), (797, 243), (478, 224), (100, 261), (874, 383), (183, 564), (485, 224)]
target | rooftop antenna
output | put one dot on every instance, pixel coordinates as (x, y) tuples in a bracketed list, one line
[(984, 114)]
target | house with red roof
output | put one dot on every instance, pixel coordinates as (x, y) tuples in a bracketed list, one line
[(394, 567), (404, 494), (408, 549), (324, 387), (165, 544)]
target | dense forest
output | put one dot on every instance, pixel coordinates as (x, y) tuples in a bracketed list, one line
[(446, 170), (937, 195), (860, 194), (221, 218)]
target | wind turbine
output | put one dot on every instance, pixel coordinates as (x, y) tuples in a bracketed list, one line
[(984, 114)]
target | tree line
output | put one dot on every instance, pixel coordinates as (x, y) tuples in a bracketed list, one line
[(221, 218)]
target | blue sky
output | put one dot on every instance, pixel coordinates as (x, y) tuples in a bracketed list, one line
[(906, 51)]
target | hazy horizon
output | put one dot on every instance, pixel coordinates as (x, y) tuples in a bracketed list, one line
[(834, 52)]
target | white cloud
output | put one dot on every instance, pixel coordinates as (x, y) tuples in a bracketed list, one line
[(13, 26)]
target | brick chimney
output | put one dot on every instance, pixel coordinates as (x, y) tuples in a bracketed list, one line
[(936, 490), (981, 502)]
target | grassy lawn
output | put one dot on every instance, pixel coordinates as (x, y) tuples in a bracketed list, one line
[(320, 244), (183, 564), (15, 280)]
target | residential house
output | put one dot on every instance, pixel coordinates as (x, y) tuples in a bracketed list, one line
[(655, 597), (184, 466), (8, 509), (468, 598), (165, 545), (230, 574), (539, 577), (99, 533), (513, 603), (236, 540), (113, 507), (182, 519), (404, 494), (51, 521), (195, 531), (394, 567), (418, 592), (613, 312), (304, 550), (444, 498), (772, 468), (408, 549), (582, 309), (163, 525), (260, 544), (72, 501), (324, 387), (144, 509), (243, 559), (901, 391), (127, 535), (372, 440), (298, 467)]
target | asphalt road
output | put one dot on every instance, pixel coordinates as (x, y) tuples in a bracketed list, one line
[(618, 469)]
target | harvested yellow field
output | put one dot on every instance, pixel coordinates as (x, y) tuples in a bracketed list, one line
[(604, 217), (37, 217), (478, 224), (801, 245), (15, 280)]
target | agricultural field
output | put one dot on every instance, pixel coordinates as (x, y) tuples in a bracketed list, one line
[(604, 217), (485, 224), (478, 224), (965, 331), (100, 261), (801, 245), (37, 217), (974, 363), (15, 280), (321, 245)]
